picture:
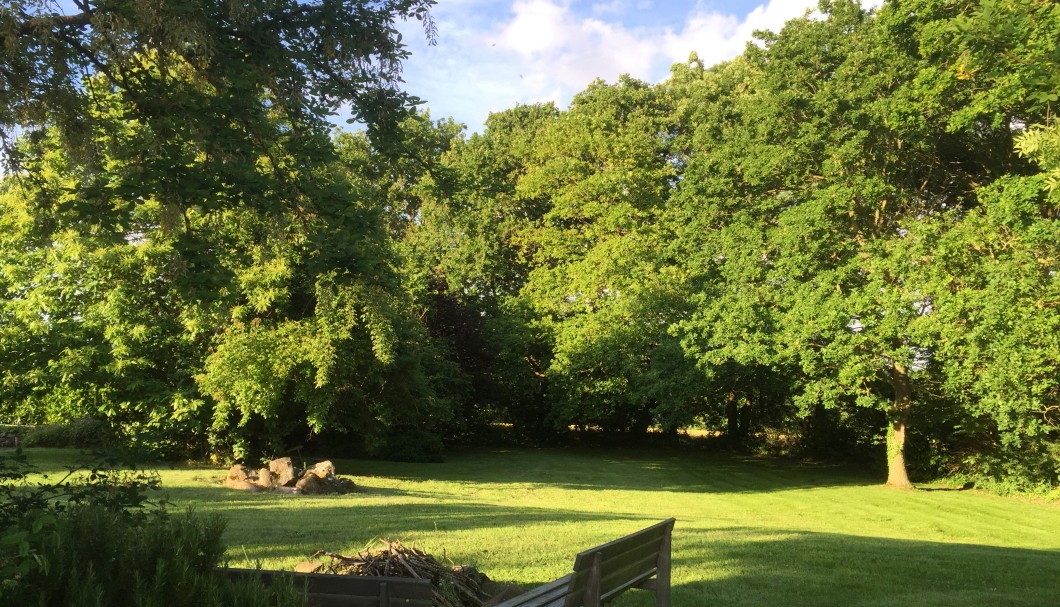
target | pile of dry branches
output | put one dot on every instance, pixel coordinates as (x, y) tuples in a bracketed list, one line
[(454, 586)]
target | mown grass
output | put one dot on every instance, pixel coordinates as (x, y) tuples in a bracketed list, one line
[(749, 531)]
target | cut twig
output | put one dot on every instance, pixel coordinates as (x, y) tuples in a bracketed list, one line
[(453, 586)]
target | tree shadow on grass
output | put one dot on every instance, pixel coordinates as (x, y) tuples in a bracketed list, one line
[(638, 470), (604, 468), (281, 533), (335, 512), (712, 566), (798, 568), (721, 567)]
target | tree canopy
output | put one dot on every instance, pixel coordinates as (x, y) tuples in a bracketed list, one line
[(181, 242), (841, 242), (299, 59)]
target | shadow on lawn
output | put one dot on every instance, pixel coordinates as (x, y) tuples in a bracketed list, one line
[(622, 470), (797, 568), (413, 515), (323, 512), (339, 528)]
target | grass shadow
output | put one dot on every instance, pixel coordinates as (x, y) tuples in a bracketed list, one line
[(335, 528), (753, 567), (588, 469), (638, 470)]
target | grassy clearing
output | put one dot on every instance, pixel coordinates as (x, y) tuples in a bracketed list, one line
[(749, 531)]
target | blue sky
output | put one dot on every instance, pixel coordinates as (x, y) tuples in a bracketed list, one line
[(493, 54)]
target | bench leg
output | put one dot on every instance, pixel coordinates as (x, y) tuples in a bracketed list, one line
[(662, 573), (592, 588)]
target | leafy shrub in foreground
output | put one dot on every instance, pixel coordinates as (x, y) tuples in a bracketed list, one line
[(94, 539), (96, 556)]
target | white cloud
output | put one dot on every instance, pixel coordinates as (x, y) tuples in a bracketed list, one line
[(489, 59), (615, 7), (554, 48), (717, 37), (538, 26)]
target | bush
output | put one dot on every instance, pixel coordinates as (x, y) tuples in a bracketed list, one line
[(408, 444), (83, 433), (96, 556), (95, 539)]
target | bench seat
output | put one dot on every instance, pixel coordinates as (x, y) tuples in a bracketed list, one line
[(638, 560)]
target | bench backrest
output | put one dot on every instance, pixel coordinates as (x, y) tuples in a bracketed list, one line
[(325, 590), (603, 572)]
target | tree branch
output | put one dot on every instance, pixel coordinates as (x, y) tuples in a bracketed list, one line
[(53, 21)]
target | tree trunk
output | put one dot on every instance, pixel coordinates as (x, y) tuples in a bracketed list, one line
[(745, 418), (899, 420), (734, 434)]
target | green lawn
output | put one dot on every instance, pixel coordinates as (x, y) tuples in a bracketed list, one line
[(749, 531)]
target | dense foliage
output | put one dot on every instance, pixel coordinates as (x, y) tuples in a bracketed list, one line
[(846, 237), (181, 252), (843, 241)]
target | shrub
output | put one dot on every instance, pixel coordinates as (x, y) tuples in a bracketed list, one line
[(83, 433), (94, 538), (96, 556), (409, 444)]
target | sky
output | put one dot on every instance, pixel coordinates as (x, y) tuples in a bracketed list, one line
[(493, 54)]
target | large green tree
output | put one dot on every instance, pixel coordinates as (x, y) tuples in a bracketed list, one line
[(597, 284), (182, 243), (811, 163), (469, 261)]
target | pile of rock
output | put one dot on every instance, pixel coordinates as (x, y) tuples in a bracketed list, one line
[(283, 477)]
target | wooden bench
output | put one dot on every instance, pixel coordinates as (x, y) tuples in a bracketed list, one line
[(602, 573), (324, 590)]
